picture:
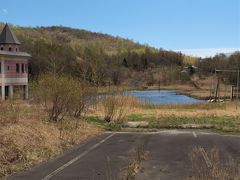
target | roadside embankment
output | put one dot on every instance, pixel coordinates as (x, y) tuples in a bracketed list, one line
[(27, 138)]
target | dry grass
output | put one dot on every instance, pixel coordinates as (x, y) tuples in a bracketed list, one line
[(192, 110), (31, 139), (216, 169), (117, 107), (134, 165), (222, 117), (113, 108)]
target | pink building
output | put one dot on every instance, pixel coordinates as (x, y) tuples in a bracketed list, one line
[(14, 65)]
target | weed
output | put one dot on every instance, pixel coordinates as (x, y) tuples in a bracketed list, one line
[(134, 165), (215, 169)]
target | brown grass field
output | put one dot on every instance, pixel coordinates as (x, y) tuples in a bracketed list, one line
[(27, 138)]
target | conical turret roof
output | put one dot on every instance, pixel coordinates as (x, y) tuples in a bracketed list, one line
[(8, 37)]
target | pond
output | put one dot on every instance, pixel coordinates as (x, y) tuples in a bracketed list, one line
[(163, 97)]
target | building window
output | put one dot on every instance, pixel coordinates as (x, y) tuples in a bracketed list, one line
[(8, 68), (10, 49), (1, 48), (16, 49), (22, 68), (17, 68), (26, 68), (0, 67)]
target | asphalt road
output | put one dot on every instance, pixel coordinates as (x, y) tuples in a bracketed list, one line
[(167, 156)]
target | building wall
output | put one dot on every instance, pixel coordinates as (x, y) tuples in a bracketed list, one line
[(16, 81), (14, 48), (11, 75), (11, 69)]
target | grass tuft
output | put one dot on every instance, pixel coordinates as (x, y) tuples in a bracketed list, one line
[(134, 165)]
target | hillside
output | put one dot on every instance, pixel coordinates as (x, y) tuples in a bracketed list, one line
[(98, 58), (76, 38), (103, 59)]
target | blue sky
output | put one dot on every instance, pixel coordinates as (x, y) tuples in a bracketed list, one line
[(198, 27)]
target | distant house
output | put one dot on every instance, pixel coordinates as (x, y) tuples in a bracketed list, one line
[(13, 66)]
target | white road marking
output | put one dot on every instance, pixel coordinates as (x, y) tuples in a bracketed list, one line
[(176, 132), (194, 134), (220, 134), (76, 158), (164, 132), (206, 159)]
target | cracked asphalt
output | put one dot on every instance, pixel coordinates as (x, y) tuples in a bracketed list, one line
[(108, 156)]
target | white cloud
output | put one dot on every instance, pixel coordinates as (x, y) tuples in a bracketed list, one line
[(208, 52), (4, 11)]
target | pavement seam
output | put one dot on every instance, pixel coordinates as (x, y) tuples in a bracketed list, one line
[(76, 158)]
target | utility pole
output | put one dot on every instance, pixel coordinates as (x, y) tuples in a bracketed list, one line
[(233, 89), (237, 89), (217, 86), (159, 83), (211, 87)]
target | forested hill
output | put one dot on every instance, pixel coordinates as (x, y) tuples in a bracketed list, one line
[(75, 38), (95, 57)]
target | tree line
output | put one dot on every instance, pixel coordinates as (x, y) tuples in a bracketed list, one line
[(92, 57), (207, 66)]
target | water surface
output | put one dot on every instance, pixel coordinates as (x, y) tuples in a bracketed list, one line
[(163, 97)]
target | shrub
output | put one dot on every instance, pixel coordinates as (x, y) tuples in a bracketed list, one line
[(63, 95), (56, 93), (83, 96), (114, 108)]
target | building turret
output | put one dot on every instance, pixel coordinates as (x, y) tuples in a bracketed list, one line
[(8, 40), (13, 65)]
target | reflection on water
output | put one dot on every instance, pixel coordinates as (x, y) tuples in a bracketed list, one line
[(163, 97)]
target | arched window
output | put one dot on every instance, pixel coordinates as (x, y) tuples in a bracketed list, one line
[(10, 49)]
